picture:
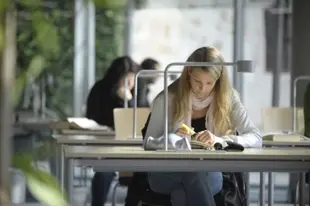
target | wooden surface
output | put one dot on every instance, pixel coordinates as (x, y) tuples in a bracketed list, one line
[(289, 154), (95, 139)]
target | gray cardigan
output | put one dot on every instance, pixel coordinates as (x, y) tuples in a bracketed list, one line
[(248, 134)]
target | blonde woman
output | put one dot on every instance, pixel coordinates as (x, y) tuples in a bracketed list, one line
[(203, 99)]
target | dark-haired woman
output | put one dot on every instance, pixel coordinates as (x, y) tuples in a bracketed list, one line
[(106, 95)]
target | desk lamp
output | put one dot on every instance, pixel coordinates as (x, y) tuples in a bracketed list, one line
[(244, 66), (144, 73)]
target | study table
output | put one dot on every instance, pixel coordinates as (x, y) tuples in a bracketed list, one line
[(96, 140), (303, 143), (108, 140), (63, 173), (135, 159), (62, 139)]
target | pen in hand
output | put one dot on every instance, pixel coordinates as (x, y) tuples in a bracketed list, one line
[(190, 131)]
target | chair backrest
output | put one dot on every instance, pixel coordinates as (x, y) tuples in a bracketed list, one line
[(277, 119), (123, 121), (300, 121)]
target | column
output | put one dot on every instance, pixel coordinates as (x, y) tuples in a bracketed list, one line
[(90, 34), (300, 45), (7, 74), (238, 45), (79, 57), (130, 7), (300, 57)]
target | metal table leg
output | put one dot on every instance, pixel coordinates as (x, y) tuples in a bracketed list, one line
[(62, 167), (302, 188), (261, 189), (58, 163), (70, 186), (309, 185), (247, 185), (270, 188)]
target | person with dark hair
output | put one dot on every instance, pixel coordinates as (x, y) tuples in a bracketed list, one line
[(106, 95), (143, 83)]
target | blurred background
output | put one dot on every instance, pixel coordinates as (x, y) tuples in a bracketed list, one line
[(63, 47)]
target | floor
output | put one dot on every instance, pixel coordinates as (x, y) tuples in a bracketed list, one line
[(82, 193)]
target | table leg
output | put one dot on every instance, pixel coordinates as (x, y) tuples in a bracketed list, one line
[(261, 189), (270, 188), (247, 187), (302, 188), (70, 181), (309, 185), (58, 162), (62, 167)]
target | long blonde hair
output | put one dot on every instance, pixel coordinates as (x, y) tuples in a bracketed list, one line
[(180, 90)]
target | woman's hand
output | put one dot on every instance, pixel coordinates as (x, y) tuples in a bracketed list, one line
[(124, 93), (182, 132), (205, 137)]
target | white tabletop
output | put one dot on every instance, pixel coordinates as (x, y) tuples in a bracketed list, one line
[(95, 140), (138, 153)]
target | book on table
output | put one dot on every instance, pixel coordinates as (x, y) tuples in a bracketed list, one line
[(282, 137), (79, 123), (195, 144)]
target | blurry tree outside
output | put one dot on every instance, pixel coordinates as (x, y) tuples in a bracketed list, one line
[(58, 64), (45, 52)]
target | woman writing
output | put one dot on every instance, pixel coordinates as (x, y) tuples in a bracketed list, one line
[(203, 99)]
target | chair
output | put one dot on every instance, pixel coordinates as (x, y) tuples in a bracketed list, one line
[(276, 119), (124, 179), (123, 122), (297, 194), (140, 194)]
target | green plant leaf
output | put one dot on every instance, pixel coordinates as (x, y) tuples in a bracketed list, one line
[(19, 86), (45, 188), (2, 36), (30, 4), (3, 5), (36, 66), (22, 161), (109, 4), (46, 34), (41, 184)]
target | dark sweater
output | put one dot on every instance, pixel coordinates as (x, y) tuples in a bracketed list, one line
[(101, 102)]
